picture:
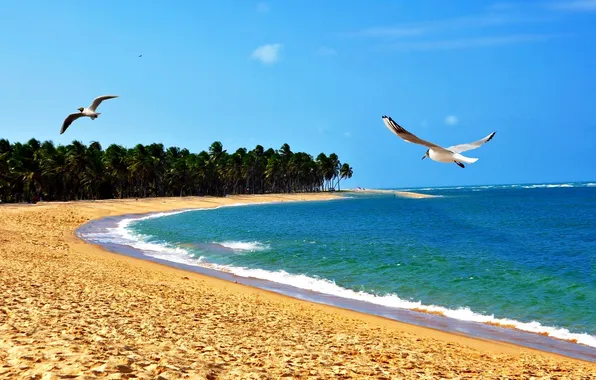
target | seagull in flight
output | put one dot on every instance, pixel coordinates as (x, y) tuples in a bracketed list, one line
[(435, 152), (89, 112)]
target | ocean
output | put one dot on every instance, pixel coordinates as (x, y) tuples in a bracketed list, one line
[(505, 260)]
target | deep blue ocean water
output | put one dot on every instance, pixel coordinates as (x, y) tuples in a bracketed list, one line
[(522, 255)]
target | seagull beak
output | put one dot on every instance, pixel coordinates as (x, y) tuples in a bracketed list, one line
[(423, 157)]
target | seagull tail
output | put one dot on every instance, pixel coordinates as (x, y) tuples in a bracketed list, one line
[(467, 160)]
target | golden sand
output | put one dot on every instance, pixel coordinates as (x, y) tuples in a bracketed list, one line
[(69, 309)]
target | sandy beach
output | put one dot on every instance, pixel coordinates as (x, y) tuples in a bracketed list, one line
[(69, 309)]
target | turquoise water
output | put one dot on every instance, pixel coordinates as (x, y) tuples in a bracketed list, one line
[(522, 255)]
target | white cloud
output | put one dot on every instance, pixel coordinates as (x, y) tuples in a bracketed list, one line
[(326, 51), (348, 134), (267, 54), (262, 7), (451, 120), (575, 5)]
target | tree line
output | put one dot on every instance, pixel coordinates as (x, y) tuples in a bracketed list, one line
[(42, 170)]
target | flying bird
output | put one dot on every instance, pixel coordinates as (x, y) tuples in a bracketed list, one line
[(140, 55), (89, 112), (435, 152)]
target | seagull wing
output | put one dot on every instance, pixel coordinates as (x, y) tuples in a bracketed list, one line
[(469, 146), (399, 131), (68, 121), (97, 101)]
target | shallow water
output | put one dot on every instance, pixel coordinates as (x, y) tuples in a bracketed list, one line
[(522, 256)]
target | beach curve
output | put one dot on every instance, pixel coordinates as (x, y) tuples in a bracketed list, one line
[(72, 308)]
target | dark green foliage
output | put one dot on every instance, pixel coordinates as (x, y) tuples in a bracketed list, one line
[(42, 170)]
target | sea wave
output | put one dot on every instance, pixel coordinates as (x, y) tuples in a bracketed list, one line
[(121, 234), (514, 186), (251, 246), (329, 287), (549, 186)]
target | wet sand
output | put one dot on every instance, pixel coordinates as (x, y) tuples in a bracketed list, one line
[(70, 309)]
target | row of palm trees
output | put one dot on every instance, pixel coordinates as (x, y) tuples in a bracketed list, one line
[(73, 172)]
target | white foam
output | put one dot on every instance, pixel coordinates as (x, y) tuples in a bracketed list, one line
[(244, 246), (122, 235), (515, 186), (547, 186), (559, 185), (392, 300)]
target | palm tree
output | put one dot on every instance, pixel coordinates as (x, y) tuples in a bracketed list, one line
[(159, 158), (5, 172), (94, 177), (49, 159), (76, 158), (115, 162), (78, 171), (334, 166), (273, 173), (141, 168), (323, 167), (345, 171)]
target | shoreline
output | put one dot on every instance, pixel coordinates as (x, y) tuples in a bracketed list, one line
[(417, 317), (82, 297)]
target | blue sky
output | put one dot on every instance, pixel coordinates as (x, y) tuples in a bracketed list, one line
[(318, 75)]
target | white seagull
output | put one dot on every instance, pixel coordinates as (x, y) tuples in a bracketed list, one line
[(435, 152), (89, 112)]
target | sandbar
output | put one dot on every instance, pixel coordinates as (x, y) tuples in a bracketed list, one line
[(404, 194)]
